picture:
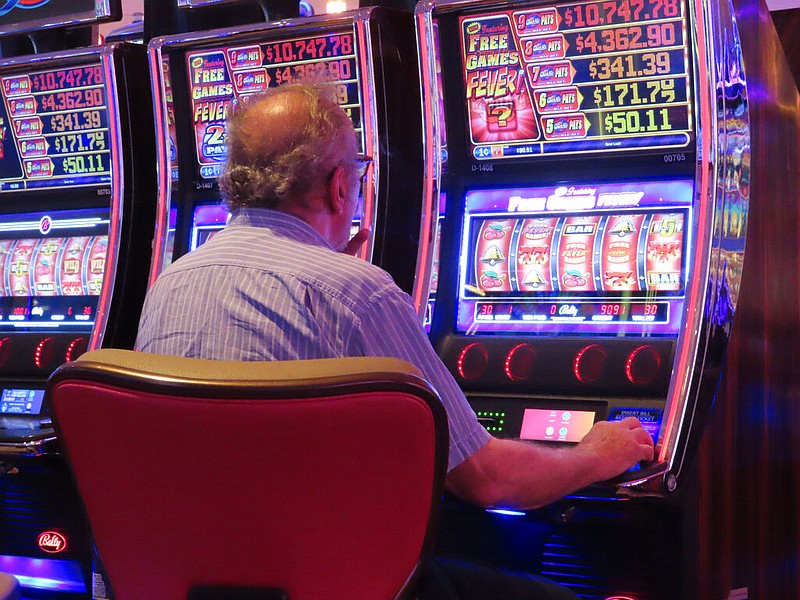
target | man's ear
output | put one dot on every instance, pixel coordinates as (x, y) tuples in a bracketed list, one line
[(337, 190)]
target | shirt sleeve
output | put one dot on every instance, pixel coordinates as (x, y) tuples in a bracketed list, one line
[(389, 326)]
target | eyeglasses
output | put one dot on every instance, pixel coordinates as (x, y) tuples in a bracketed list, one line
[(362, 164)]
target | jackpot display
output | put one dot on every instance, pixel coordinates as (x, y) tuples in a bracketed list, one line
[(577, 77), (55, 129), (220, 77), (74, 204)]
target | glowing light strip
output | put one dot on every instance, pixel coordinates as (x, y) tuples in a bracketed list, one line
[(686, 353), (163, 163), (505, 512), (31, 324), (45, 574), (60, 224)]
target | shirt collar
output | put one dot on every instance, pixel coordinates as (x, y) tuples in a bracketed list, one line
[(279, 223)]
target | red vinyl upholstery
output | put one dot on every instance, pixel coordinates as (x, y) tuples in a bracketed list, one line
[(322, 478)]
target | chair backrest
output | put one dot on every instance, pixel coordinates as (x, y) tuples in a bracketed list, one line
[(322, 478)]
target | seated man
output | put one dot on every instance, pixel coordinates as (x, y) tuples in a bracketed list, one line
[(278, 284)]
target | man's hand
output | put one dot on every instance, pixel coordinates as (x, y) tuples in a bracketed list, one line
[(618, 446), (354, 245)]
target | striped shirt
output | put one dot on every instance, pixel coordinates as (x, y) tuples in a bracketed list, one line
[(270, 287)]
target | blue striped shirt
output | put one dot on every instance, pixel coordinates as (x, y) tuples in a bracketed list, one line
[(270, 287)]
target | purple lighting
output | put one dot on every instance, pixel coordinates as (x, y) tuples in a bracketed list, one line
[(45, 574)]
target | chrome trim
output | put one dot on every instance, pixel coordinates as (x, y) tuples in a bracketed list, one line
[(30, 448), (427, 51), (726, 144), (163, 163)]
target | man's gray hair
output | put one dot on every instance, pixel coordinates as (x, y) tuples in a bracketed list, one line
[(281, 143)]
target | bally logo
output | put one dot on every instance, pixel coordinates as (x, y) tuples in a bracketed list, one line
[(52, 542)]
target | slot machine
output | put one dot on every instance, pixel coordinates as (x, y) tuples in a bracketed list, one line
[(52, 22), (594, 157), (77, 212), (368, 57)]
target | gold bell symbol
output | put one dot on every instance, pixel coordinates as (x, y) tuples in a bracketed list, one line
[(492, 255)]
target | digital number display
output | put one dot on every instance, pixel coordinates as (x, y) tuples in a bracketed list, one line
[(54, 129), (622, 312), (219, 77), (606, 258), (578, 77)]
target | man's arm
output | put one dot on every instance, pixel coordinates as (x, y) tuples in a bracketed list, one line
[(516, 474), (488, 471)]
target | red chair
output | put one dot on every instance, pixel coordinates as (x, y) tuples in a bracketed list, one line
[(307, 480)]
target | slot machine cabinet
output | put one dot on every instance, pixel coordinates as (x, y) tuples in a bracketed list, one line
[(169, 17), (746, 476), (369, 56), (594, 157), (40, 26), (77, 184)]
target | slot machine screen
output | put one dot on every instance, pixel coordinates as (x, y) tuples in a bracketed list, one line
[(588, 259), (18, 401), (52, 267), (17, 16), (219, 77), (554, 425), (208, 220), (598, 76), (55, 128)]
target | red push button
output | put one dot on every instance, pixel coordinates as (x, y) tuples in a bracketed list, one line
[(589, 363), (43, 355), (472, 361), (642, 365), (75, 348), (519, 362)]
